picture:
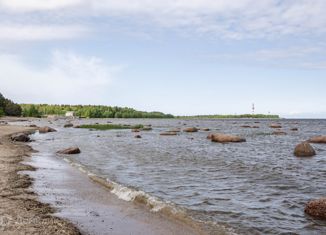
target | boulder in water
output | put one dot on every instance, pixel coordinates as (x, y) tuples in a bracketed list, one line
[(71, 150), (46, 129), (279, 133), (317, 208), (223, 138), (191, 129), (318, 140), (275, 125), (138, 136), (68, 125), (170, 133), (304, 149)]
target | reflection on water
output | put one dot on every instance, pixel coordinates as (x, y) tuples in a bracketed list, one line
[(256, 187)]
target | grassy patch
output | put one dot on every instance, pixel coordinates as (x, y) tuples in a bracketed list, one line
[(104, 127)]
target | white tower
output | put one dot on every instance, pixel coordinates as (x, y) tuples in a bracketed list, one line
[(253, 109)]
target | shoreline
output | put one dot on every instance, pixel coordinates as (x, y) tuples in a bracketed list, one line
[(20, 210), (67, 201)]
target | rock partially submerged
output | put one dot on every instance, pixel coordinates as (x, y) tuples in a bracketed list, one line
[(318, 140), (317, 208), (191, 129), (46, 129), (174, 130), (304, 149), (71, 150), (223, 138), (138, 136), (67, 125), (294, 129), (170, 133), (279, 133), (20, 137), (274, 125)]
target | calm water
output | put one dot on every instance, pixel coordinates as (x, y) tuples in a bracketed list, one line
[(256, 187)]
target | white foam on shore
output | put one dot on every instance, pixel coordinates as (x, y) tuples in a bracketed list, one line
[(155, 204)]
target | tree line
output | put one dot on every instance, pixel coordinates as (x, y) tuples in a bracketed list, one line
[(88, 111), (8, 107), (219, 116)]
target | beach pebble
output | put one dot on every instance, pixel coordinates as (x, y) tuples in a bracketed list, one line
[(304, 149), (317, 208), (294, 129), (71, 150), (138, 136), (318, 140)]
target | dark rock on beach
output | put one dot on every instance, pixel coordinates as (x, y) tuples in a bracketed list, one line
[(68, 125), (304, 149), (294, 129), (21, 137), (223, 138), (71, 150), (317, 208), (46, 129), (318, 140), (138, 136)]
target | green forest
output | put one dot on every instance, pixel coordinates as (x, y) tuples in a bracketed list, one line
[(8, 107), (88, 111)]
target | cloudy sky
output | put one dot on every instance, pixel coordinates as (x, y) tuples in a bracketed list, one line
[(177, 56)]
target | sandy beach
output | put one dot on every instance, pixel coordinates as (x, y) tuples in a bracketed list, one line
[(42, 196), (20, 210)]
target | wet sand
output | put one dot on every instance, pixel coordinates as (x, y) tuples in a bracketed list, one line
[(92, 207), (42, 195), (20, 210)]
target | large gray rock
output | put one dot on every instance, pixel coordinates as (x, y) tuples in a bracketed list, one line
[(304, 149)]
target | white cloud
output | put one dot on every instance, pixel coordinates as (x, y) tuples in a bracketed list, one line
[(68, 76), (37, 5), (20, 32), (237, 19)]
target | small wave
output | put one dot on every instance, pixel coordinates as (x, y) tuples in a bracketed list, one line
[(155, 204)]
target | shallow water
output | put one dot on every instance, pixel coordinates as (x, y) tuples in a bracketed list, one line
[(256, 187)]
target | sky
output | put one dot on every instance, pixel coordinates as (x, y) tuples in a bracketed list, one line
[(183, 57)]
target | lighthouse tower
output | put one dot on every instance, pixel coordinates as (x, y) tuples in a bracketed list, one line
[(253, 109)]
